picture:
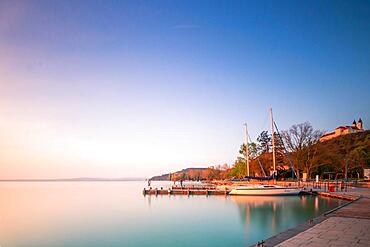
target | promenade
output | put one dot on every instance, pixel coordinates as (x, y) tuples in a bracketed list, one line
[(347, 226)]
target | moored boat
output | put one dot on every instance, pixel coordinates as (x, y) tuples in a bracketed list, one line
[(265, 190), (260, 189)]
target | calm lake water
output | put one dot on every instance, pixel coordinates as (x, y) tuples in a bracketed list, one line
[(93, 214)]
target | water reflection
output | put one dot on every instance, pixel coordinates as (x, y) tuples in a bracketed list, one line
[(279, 212), (117, 214)]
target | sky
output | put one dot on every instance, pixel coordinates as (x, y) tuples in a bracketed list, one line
[(140, 88)]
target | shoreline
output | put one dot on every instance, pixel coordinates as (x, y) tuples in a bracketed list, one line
[(75, 180)]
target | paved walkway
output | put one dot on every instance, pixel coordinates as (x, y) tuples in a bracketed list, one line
[(335, 231), (347, 226)]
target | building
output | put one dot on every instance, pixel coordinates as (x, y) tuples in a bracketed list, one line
[(343, 130)]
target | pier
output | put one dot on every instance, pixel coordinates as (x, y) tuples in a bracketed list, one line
[(328, 189), (186, 190)]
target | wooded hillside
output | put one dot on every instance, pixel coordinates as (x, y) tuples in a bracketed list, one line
[(195, 174), (349, 153)]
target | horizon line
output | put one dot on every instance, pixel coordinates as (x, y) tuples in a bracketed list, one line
[(73, 179)]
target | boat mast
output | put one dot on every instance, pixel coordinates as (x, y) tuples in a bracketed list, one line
[(273, 141), (246, 148)]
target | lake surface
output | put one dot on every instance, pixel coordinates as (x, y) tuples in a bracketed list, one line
[(48, 214)]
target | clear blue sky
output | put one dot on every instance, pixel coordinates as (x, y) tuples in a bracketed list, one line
[(136, 88)]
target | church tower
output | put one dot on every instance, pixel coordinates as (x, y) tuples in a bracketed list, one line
[(354, 124), (359, 124)]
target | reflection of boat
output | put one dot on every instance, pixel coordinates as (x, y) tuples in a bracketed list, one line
[(259, 201), (265, 190)]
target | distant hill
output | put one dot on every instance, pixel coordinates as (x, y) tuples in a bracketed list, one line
[(195, 173)]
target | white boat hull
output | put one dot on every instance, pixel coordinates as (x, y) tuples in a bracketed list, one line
[(265, 191)]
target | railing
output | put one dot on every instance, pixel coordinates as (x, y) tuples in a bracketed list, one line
[(194, 187), (325, 185)]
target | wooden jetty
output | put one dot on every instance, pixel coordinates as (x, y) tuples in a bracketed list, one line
[(190, 190), (213, 190)]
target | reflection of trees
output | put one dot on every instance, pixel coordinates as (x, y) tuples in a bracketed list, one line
[(276, 214), (260, 212)]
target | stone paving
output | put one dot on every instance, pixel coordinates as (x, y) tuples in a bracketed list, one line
[(335, 231), (347, 226)]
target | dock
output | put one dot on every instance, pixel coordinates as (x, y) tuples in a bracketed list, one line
[(326, 189), (209, 190), (187, 190)]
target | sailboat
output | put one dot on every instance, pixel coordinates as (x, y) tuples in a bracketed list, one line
[(260, 189), (265, 190)]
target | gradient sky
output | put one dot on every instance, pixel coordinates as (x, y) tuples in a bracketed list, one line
[(138, 88)]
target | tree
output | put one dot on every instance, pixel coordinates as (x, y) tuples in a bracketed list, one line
[(279, 152), (299, 140), (252, 149), (264, 142), (240, 169), (311, 158)]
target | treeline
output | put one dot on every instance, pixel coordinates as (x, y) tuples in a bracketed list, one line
[(197, 174), (210, 173), (297, 147)]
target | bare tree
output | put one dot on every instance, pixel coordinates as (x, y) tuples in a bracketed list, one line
[(299, 140)]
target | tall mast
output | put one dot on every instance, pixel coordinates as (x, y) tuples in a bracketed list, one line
[(246, 148), (273, 140)]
